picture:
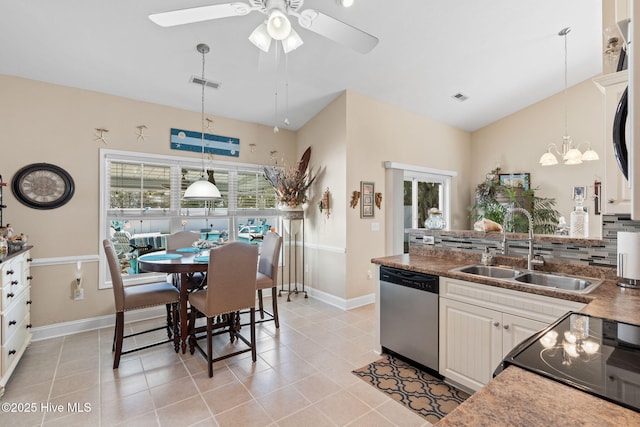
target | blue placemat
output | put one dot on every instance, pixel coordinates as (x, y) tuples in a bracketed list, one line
[(160, 257), (204, 258), (187, 250)]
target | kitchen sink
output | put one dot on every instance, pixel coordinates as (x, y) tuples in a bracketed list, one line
[(497, 272), (568, 283), (575, 284)]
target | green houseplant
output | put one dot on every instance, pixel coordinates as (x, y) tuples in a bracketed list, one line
[(493, 199)]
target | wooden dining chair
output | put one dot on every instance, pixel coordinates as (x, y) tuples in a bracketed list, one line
[(267, 275), (231, 288), (139, 296)]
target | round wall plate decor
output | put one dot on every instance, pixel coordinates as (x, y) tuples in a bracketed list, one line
[(42, 186)]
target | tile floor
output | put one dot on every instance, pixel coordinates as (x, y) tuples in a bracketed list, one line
[(302, 377)]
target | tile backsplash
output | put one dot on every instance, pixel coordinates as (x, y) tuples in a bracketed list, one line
[(596, 252)]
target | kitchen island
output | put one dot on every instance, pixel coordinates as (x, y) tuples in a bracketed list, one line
[(519, 397)]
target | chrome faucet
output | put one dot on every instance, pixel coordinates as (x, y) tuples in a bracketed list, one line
[(505, 248)]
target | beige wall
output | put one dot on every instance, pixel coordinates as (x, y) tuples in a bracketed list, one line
[(517, 142), (54, 124), (377, 132)]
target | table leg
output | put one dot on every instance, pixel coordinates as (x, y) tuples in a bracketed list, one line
[(184, 296)]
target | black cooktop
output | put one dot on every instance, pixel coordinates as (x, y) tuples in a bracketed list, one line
[(596, 355)]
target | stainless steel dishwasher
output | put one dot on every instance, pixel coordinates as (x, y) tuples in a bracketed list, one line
[(409, 316)]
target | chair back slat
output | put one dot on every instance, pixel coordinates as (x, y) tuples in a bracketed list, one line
[(116, 277), (270, 255), (231, 279), (181, 239)]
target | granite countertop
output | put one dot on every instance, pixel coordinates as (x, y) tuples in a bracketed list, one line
[(519, 397)]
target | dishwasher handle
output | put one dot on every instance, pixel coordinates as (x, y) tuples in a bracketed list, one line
[(410, 279)]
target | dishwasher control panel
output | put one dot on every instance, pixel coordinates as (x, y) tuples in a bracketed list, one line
[(410, 279)]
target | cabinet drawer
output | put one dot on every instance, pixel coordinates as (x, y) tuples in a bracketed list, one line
[(17, 314), (13, 349), (12, 291), (11, 271)]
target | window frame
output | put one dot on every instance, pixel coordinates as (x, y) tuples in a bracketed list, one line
[(175, 213)]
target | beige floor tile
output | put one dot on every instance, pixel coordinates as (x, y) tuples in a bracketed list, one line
[(371, 419), (118, 410), (226, 397), (167, 394), (302, 377), (342, 407), (316, 387), (283, 402), (184, 412), (307, 417), (249, 414)]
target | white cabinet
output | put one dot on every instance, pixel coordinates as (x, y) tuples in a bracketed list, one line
[(15, 322), (480, 324), (616, 194)]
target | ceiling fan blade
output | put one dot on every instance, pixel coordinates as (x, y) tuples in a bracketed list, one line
[(337, 31), (198, 14)]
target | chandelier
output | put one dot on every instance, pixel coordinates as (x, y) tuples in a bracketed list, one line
[(570, 154)]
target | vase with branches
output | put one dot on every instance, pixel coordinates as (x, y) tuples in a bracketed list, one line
[(291, 185)]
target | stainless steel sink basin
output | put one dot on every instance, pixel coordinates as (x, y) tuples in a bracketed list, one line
[(575, 284), (496, 272), (568, 283)]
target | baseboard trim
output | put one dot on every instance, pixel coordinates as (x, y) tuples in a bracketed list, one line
[(342, 303), (90, 324), (83, 325)]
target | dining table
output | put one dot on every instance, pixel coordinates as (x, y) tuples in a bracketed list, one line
[(182, 262)]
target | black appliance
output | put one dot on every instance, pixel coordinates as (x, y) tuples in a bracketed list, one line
[(596, 355)]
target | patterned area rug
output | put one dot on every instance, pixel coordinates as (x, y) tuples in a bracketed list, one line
[(427, 396)]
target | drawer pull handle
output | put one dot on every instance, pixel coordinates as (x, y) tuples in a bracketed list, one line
[(29, 325), (29, 277), (14, 282), (28, 302), (506, 327), (496, 324), (9, 272), (29, 259), (10, 295), (12, 322), (12, 352)]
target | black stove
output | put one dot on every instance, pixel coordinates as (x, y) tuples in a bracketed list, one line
[(596, 355)]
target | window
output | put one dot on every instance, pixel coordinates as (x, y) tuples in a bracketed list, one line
[(142, 203), (414, 190)]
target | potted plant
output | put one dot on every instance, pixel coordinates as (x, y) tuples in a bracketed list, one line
[(291, 185), (493, 199)]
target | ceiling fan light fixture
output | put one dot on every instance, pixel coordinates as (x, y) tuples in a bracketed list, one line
[(292, 42), (278, 25), (346, 3), (260, 38)]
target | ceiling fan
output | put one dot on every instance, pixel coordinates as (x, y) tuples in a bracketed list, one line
[(277, 26)]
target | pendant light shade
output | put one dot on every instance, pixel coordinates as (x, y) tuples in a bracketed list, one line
[(202, 189)]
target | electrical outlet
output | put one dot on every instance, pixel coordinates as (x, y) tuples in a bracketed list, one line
[(369, 274), (306, 268), (78, 294), (428, 240)]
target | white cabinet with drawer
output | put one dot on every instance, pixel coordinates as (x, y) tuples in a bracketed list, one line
[(480, 324), (15, 319)]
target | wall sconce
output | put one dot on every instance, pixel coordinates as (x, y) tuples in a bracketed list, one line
[(325, 203)]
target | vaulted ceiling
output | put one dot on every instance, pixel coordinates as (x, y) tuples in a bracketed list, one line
[(502, 54)]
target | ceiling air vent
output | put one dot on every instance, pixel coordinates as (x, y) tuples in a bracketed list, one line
[(208, 83), (460, 97)]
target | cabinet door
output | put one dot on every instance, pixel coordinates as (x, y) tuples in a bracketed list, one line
[(470, 343), (516, 329)]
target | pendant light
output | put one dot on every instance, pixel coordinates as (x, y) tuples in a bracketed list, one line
[(202, 189), (570, 155)]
